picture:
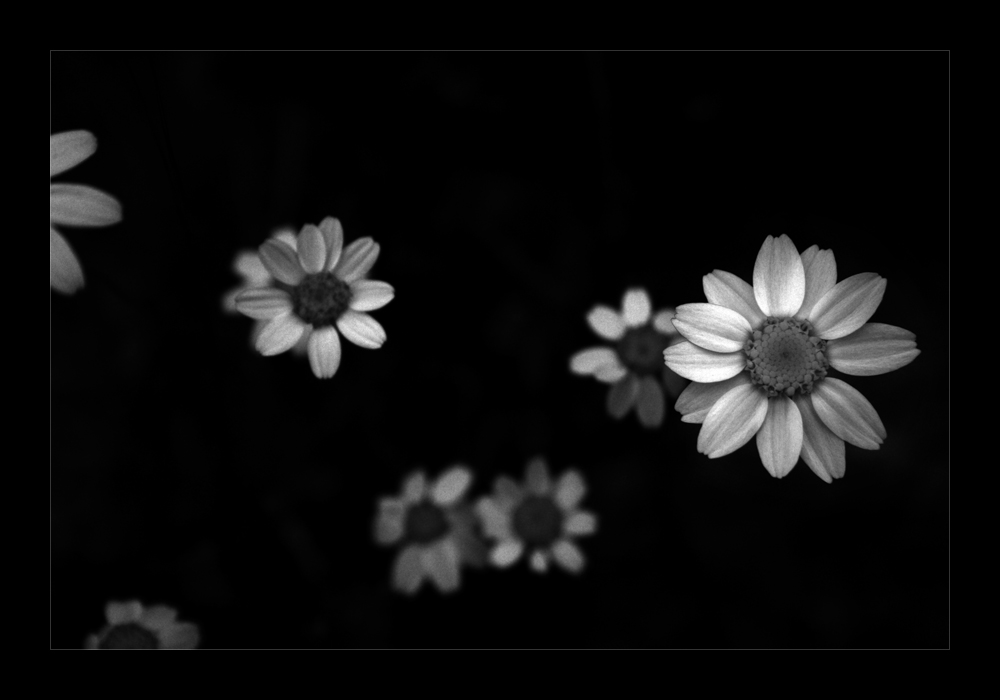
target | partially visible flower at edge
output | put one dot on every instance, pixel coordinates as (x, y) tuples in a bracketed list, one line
[(759, 356), (633, 364), (73, 205), (133, 626)]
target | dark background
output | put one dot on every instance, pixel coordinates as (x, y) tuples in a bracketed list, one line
[(510, 192)]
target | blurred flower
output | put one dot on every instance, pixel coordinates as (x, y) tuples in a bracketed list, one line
[(759, 358), (542, 518), (131, 626), (247, 265), (322, 290), (73, 205), (434, 529), (634, 365)]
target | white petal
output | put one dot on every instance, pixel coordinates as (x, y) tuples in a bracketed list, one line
[(821, 276), (700, 365), (726, 289), (65, 273), (333, 235), (712, 327), (408, 573), (279, 335), (846, 412), (622, 396), (536, 477), (247, 264), (779, 279), (158, 617), (182, 635), (539, 561), (580, 523), (733, 420), (663, 322), (361, 329), (570, 490), (68, 149), (368, 295), (390, 520), (779, 440), (590, 360), (821, 449), (441, 562), (636, 308), (697, 399), (506, 553), (649, 403), (311, 249), (79, 205), (287, 236), (263, 302), (606, 322), (451, 485), (281, 261), (123, 613), (569, 556), (494, 519), (610, 373), (846, 307), (875, 348), (414, 487), (357, 260), (324, 352)]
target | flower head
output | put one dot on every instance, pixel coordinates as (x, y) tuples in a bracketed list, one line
[(633, 366), (319, 289), (73, 205), (542, 518), (132, 626), (760, 356), (433, 527)]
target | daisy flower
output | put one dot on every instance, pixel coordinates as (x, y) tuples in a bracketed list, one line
[(542, 519), (73, 205), (433, 528), (634, 365), (319, 289), (248, 265), (760, 356), (132, 626)]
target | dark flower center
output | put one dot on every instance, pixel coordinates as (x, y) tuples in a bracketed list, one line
[(641, 349), (320, 299), (785, 357), (425, 523), (538, 521), (129, 636)]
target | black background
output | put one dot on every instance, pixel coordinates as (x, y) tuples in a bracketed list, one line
[(510, 193)]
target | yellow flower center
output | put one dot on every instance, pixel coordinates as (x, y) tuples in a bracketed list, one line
[(785, 357), (320, 299)]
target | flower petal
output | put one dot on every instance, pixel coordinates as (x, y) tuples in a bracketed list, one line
[(183, 635), (158, 617), (247, 265), (495, 520), (570, 490), (663, 322), (506, 553), (540, 561), (65, 273), (610, 373), (123, 613), (848, 414), (281, 261), (821, 449), (415, 487), (636, 307), (536, 477), (875, 348), (368, 295), (700, 365), (79, 205), (263, 302), (606, 322), (408, 572), (726, 289), (697, 399), (311, 249), (324, 352), (68, 149), (733, 420), (649, 403), (440, 561), (846, 307), (590, 360), (361, 329), (779, 279), (779, 440), (622, 396), (281, 334), (580, 523), (357, 260), (569, 556), (508, 493), (390, 520), (821, 276), (288, 237), (450, 486), (712, 327), (333, 235)]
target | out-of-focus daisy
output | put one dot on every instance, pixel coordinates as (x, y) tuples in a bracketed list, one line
[(132, 626), (634, 366), (759, 357), (434, 529), (542, 518), (248, 265), (73, 205), (320, 288)]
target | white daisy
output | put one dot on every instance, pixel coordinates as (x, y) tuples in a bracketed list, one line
[(434, 529), (759, 358), (132, 626), (634, 365), (322, 290), (541, 519), (73, 205)]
